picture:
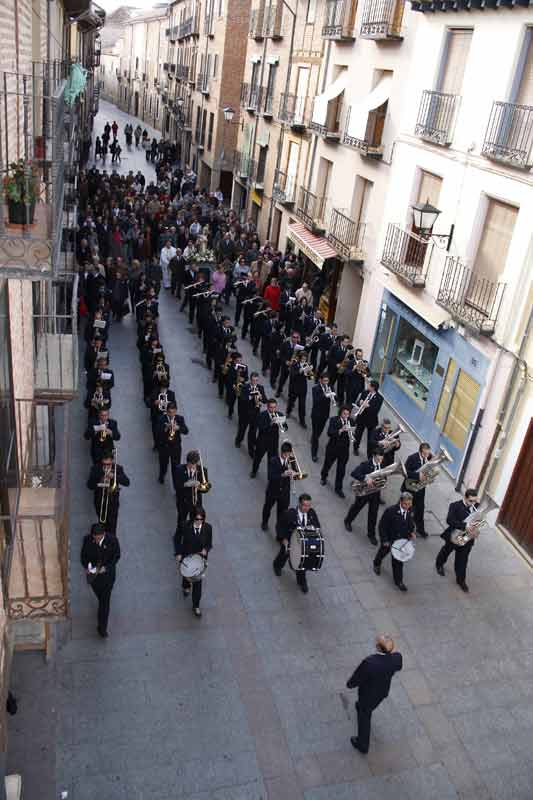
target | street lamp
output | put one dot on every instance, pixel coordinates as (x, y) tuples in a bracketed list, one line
[(229, 113), (424, 218)]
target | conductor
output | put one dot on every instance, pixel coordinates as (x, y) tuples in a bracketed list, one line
[(373, 678)]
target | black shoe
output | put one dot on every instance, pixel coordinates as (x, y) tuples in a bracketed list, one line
[(237, 443), (377, 569), (463, 586), (102, 633), (303, 425), (277, 570), (264, 526), (440, 570), (382, 501), (402, 587), (186, 592), (304, 587), (355, 745), (253, 474), (340, 493), (323, 481), (423, 534), (161, 480), (372, 539), (314, 458), (347, 525)]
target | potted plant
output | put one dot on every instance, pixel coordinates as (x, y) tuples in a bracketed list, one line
[(21, 191)]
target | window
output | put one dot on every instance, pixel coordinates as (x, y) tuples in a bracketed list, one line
[(413, 362), (271, 81), (310, 16), (495, 240), (215, 65), (361, 199), (455, 57), (384, 339), (204, 124), (254, 77), (261, 164), (210, 131), (446, 394)]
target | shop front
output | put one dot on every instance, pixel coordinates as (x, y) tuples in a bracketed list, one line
[(431, 376), (322, 268)]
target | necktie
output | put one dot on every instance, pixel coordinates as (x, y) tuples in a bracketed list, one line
[(196, 531)]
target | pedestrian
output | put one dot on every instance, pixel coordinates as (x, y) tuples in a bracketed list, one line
[(373, 679), (97, 148), (100, 553), (193, 538)]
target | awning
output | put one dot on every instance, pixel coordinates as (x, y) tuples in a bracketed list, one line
[(320, 104), (359, 111), (422, 304), (316, 248)]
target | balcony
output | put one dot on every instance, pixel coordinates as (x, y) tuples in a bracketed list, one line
[(208, 24), (436, 117), (267, 102), (38, 581), (166, 66), (96, 53), (272, 22), (37, 129), (182, 72), (183, 116), (243, 166), (370, 145), (202, 82), (407, 255), (172, 33), (347, 236), (311, 209), (331, 129), (55, 338), (250, 97), (294, 110), (173, 69), (509, 136), (284, 190), (191, 27), (257, 18), (382, 19), (473, 301), (339, 20)]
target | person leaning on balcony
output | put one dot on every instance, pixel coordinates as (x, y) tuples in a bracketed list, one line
[(100, 553)]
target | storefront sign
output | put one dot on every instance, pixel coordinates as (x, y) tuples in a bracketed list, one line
[(316, 258), (256, 198)]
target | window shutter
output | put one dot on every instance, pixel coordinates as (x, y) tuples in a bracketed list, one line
[(458, 48), (495, 240), (429, 189), (525, 92)]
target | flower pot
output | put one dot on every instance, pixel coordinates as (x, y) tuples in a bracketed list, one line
[(18, 213)]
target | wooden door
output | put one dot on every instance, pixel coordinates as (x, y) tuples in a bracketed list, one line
[(515, 514)]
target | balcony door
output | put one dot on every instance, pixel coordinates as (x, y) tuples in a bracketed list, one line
[(302, 84), (450, 80), (516, 508), (524, 95), (491, 256), (291, 171)]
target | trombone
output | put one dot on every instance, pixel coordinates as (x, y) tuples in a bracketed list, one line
[(298, 474), (205, 485), (192, 285), (109, 486)]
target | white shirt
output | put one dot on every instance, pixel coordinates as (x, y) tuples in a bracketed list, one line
[(302, 519), (167, 254)]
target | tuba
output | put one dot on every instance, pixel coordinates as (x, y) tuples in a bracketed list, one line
[(379, 479), (391, 438), (474, 523), (429, 471)]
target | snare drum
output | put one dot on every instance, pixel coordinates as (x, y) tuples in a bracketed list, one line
[(402, 550), (306, 549), (193, 567)]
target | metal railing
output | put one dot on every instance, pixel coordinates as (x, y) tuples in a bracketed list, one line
[(382, 19), (284, 189), (436, 117), (267, 102), (473, 300), (339, 20), (509, 136), (294, 110), (243, 165), (190, 27), (55, 337), (346, 235), (273, 20), (332, 128), (202, 82), (371, 145), (311, 208), (407, 255), (257, 18), (208, 24), (250, 96), (182, 72)]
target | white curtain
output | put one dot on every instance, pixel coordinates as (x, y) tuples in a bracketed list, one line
[(320, 105), (359, 111)]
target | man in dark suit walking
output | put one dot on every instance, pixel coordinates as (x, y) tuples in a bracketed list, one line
[(368, 418), (457, 514), (302, 516), (267, 435), (193, 537), (278, 489), (187, 479), (372, 497), (99, 555), (396, 523), (340, 430), (373, 679), (320, 412), (412, 465)]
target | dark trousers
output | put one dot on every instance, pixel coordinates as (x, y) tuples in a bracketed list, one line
[(186, 510), (111, 518), (341, 457), (280, 561), (419, 503), (238, 309), (196, 591), (283, 502), (283, 375), (102, 587), (175, 460), (300, 397), (318, 426), (245, 325), (397, 566), (364, 715), (360, 428), (275, 366), (246, 422), (461, 557), (260, 450), (373, 506), (231, 398)]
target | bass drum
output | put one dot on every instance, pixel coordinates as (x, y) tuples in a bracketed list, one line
[(306, 549), (193, 567)]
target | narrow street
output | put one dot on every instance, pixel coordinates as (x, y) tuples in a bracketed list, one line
[(249, 702)]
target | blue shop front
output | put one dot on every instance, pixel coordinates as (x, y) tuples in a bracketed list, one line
[(432, 377)]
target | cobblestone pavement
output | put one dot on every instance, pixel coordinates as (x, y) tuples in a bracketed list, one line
[(250, 702)]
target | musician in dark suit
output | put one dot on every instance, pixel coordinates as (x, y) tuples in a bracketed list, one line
[(187, 480), (298, 388), (160, 398), (95, 401), (249, 407), (300, 517), (169, 432), (195, 536), (278, 489), (100, 553), (325, 343), (106, 500), (396, 523), (102, 440), (339, 352), (237, 373), (373, 679), (287, 351), (360, 473), (320, 412), (354, 377), (412, 465), (337, 448), (267, 435), (100, 372), (457, 514), (367, 419), (377, 438)]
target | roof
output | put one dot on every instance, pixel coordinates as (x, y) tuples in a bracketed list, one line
[(467, 5), (316, 248)]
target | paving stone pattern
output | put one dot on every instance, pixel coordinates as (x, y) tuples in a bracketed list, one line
[(249, 703)]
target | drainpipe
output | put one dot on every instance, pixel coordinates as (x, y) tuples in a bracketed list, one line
[(469, 449), (315, 138)]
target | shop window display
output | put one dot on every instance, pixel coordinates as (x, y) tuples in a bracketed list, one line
[(413, 362)]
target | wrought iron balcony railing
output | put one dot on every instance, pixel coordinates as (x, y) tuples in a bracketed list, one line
[(472, 300), (267, 102), (407, 255), (243, 165), (202, 82), (339, 20), (436, 117), (284, 189), (166, 66), (250, 96), (182, 72), (332, 128), (294, 110), (190, 27), (311, 209), (208, 24), (346, 235), (382, 19), (371, 145), (257, 19), (273, 19), (509, 136)]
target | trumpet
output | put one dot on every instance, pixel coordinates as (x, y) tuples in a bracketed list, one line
[(330, 394), (103, 434), (307, 369), (344, 363), (160, 371), (357, 410), (314, 336), (193, 285), (347, 428), (256, 395), (162, 402), (98, 400), (280, 420), (172, 429)]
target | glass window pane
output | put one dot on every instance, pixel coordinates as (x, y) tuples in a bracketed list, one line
[(461, 410), (446, 393), (383, 343), (414, 362)]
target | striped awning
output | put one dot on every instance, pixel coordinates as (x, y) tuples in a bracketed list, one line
[(316, 248)]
